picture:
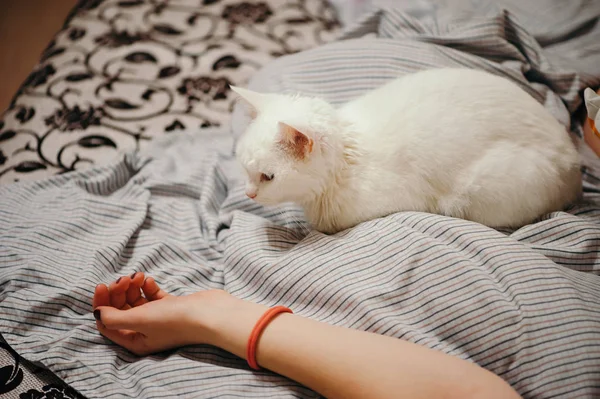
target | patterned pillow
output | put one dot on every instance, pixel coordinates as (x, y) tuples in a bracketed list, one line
[(122, 72)]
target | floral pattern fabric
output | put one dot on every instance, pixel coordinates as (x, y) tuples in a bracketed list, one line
[(20, 379), (122, 72)]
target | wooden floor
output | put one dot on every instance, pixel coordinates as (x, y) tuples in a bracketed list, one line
[(26, 27)]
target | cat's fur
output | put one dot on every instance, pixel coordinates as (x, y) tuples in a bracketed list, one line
[(457, 142)]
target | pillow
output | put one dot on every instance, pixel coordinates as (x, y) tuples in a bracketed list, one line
[(344, 70)]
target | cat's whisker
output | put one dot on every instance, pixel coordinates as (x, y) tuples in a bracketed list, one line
[(304, 229), (295, 223)]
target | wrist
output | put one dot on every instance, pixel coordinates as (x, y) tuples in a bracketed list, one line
[(226, 321)]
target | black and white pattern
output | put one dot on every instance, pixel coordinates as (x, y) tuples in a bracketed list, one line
[(23, 380), (123, 72), (523, 304)]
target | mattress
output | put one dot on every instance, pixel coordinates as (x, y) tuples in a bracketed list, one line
[(524, 304)]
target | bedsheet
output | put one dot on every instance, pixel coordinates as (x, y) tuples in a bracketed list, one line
[(523, 304)]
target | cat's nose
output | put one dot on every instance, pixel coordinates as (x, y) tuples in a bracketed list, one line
[(251, 195)]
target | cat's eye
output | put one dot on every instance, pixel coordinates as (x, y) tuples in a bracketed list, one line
[(266, 177)]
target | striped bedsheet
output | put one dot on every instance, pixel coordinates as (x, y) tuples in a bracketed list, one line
[(524, 304)]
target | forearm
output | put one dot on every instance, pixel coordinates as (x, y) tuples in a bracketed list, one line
[(344, 363)]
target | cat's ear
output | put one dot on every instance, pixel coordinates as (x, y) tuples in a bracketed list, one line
[(253, 99), (592, 103), (298, 144)]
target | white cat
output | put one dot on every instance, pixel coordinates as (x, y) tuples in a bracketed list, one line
[(456, 142)]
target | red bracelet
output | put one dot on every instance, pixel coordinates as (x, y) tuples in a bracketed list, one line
[(264, 320)]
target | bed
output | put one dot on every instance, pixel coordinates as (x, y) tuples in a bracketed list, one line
[(523, 304), (120, 73)]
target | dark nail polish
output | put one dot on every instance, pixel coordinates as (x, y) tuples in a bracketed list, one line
[(118, 280), (97, 314), (133, 275)]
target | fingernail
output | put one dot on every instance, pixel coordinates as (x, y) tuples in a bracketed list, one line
[(133, 275), (118, 280), (97, 315)]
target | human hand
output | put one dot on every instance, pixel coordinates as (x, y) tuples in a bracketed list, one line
[(135, 313)]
